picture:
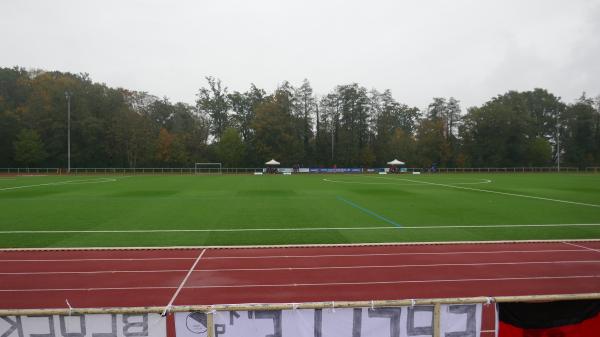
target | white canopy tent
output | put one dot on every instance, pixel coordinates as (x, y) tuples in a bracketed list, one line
[(272, 162), (396, 162)]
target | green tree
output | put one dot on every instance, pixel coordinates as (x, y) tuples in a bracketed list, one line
[(230, 149), (539, 152), (579, 138), (393, 124), (164, 146), (29, 149), (499, 132), (432, 145), (275, 133), (213, 101), (304, 109)]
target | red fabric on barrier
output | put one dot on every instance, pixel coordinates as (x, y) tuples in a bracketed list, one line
[(587, 328)]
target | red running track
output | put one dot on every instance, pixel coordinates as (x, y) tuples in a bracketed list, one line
[(31, 279)]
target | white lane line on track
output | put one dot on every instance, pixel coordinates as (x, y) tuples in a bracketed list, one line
[(497, 192), (168, 306), (309, 256), (303, 229), (399, 266), (67, 182), (581, 246), (395, 282), (315, 284), (103, 259)]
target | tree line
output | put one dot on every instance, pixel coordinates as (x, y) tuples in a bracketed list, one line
[(350, 126)]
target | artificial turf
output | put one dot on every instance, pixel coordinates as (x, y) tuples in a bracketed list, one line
[(297, 209)]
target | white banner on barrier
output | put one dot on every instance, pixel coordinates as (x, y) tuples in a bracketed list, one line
[(109, 325), (460, 320), (417, 321)]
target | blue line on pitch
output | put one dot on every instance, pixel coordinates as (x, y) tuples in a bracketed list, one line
[(369, 212)]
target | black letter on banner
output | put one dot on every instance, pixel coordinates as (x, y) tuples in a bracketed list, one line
[(318, 331), (14, 325), (272, 314), (63, 327), (413, 330), (465, 309), (356, 322), (393, 314), (232, 316), (50, 327), (219, 329), (113, 333), (143, 325)]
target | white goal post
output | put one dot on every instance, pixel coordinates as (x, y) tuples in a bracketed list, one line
[(208, 168)]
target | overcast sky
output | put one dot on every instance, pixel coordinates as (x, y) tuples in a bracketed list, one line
[(472, 50)]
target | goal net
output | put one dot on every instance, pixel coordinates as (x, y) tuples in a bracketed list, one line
[(208, 168)]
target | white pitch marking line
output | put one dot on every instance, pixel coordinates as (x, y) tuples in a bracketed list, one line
[(306, 268), (482, 181), (313, 284), (183, 282), (303, 229), (67, 182), (580, 246), (543, 251), (497, 192)]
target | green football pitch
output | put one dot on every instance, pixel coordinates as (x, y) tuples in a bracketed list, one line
[(76, 211)]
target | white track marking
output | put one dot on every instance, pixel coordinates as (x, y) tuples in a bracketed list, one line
[(86, 289), (483, 181), (287, 285), (393, 282), (302, 229), (183, 282), (543, 251), (497, 192), (580, 246), (101, 259), (95, 272), (67, 182), (397, 266)]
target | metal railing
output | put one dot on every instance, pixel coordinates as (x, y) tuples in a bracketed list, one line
[(252, 170), (30, 170)]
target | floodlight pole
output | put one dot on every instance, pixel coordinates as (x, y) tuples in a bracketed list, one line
[(337, 113), (68, 96), (558, 141), (332, 144)]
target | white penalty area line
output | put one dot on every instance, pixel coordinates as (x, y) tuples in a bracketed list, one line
[(496, 192), (398, 266), (287, 285), (303, 229)]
